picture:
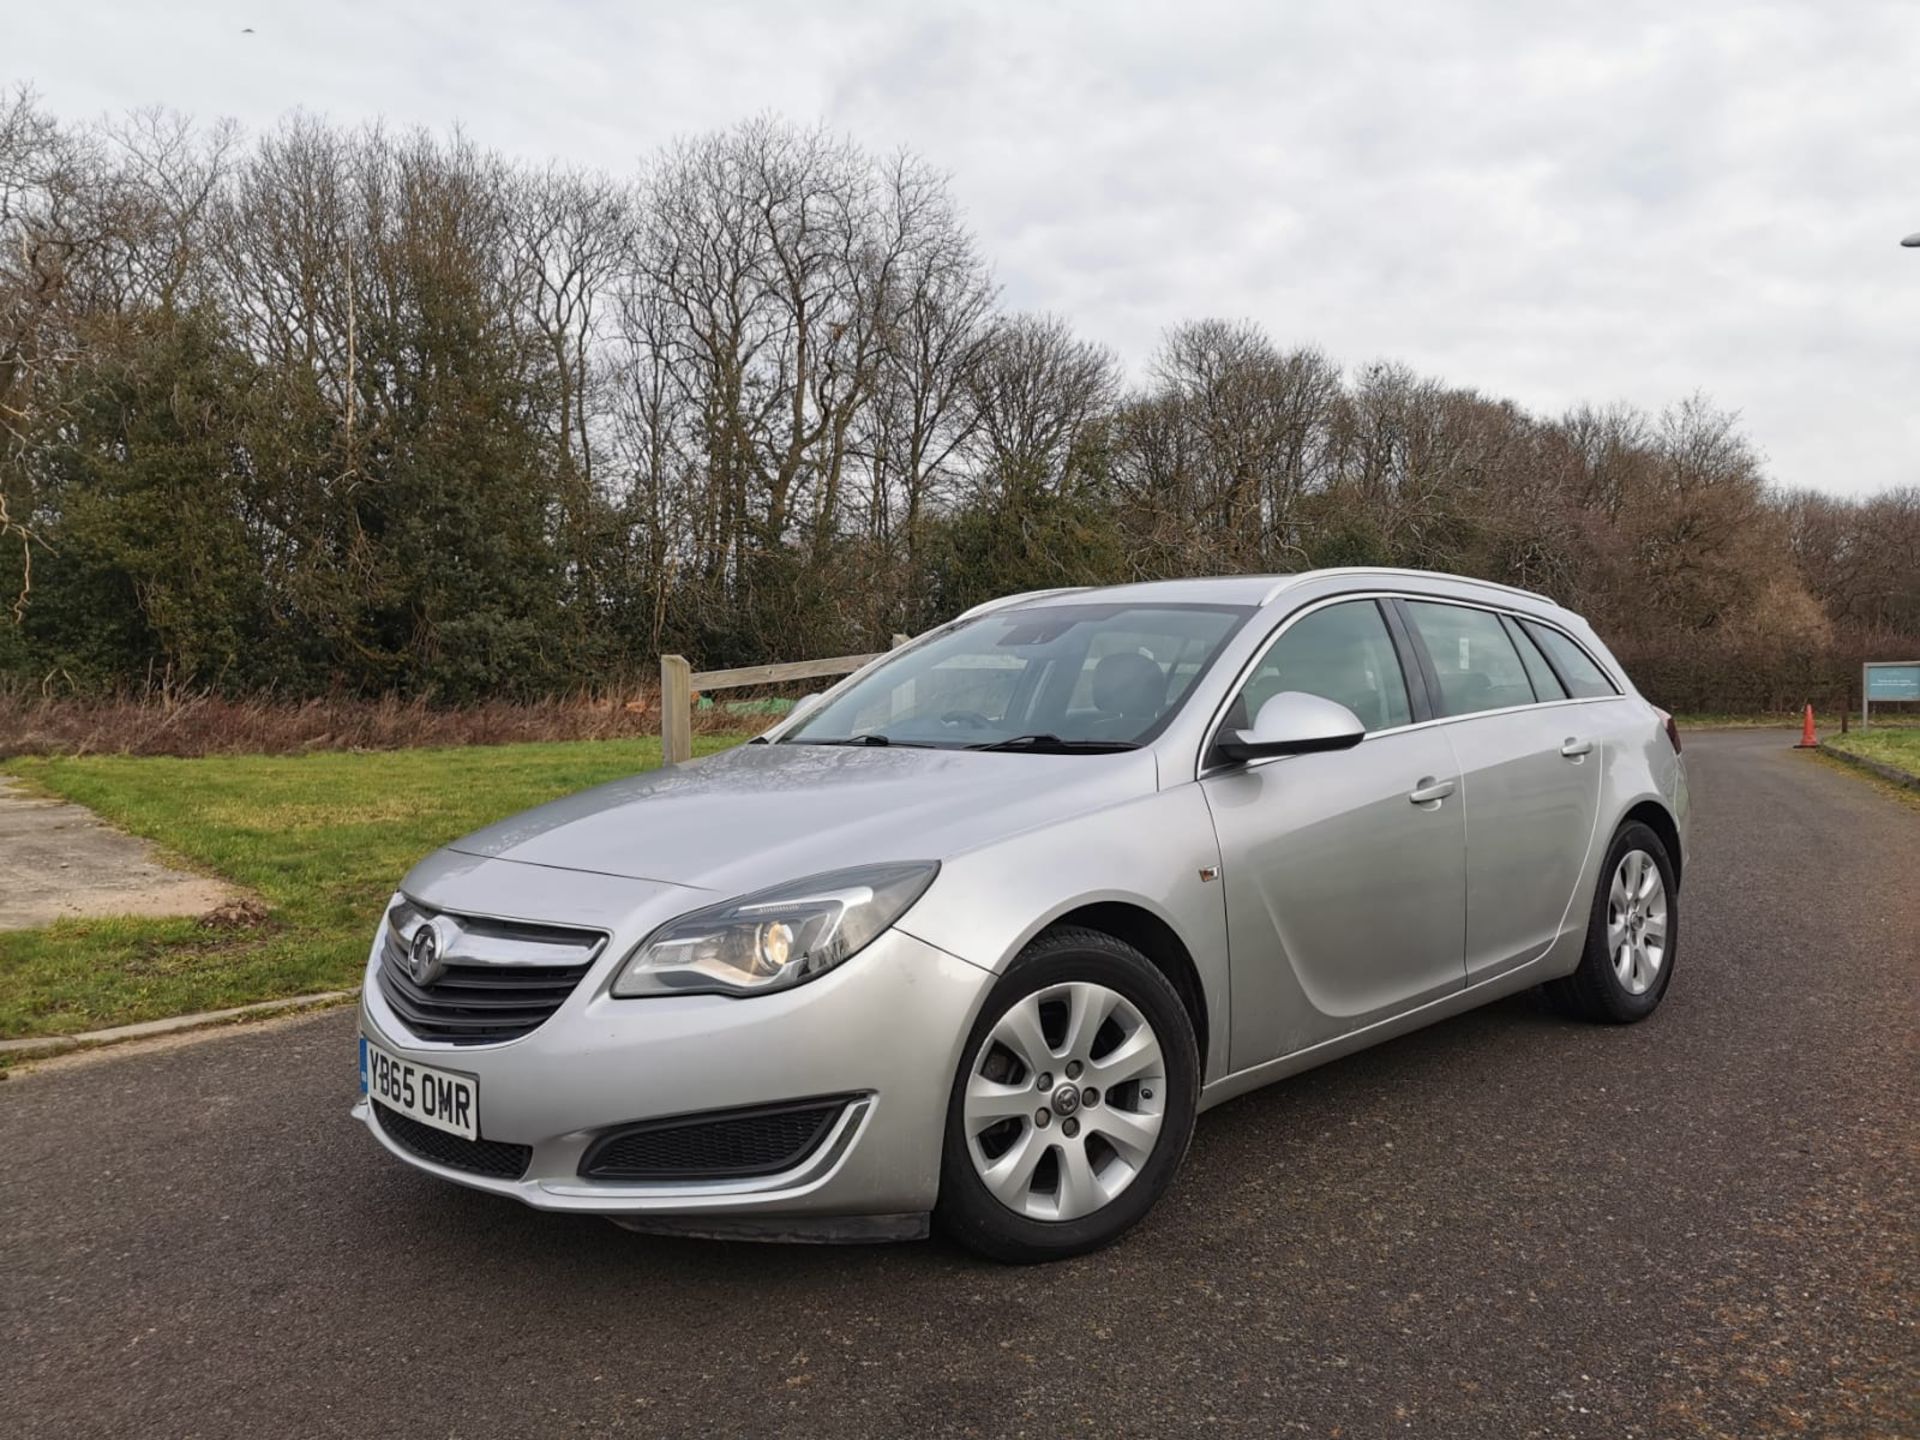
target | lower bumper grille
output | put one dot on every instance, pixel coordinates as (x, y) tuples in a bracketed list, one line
[(719, 1145), (496, 1158)]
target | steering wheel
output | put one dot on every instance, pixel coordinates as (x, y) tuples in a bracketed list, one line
[(972, 719)]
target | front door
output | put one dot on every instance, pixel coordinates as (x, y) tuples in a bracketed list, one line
[(1345, 872)]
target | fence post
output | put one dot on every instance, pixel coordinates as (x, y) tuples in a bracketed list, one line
[(676, 709), (900, 640)]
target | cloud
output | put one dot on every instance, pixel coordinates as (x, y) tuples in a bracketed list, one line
[(1559, 204)]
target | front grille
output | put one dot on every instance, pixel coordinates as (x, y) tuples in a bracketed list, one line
[(500, 979), (479, 1157), (715, 1146)]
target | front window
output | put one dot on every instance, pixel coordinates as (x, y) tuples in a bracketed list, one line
[(1343, 653), (1050, 677)]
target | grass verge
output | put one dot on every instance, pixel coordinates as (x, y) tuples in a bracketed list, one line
[(1895, 746), (321, 838)]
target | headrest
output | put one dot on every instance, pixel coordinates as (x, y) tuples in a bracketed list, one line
[(1129, 684)]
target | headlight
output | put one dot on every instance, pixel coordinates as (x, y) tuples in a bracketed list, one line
[(774, 938)]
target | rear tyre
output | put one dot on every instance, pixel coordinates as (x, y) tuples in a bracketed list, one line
[(1073, 1102), (1632, 935)]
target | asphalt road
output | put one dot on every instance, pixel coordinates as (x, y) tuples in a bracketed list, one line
[(1507, 1225)]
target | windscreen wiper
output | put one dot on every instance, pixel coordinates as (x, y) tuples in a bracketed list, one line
[(1054, 745), (869, 738)]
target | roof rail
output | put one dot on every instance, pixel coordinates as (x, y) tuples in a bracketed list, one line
[(1289, 580), (1005, 601)]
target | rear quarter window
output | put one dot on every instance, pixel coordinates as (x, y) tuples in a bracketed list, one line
[(1546, 684), (1583, 676)]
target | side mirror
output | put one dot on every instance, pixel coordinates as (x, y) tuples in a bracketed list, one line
[(805, 703), (1293, 723)]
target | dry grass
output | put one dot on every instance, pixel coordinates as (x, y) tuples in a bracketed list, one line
[(192, 725)]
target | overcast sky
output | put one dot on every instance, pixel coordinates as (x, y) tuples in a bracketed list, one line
[(1553, 202)]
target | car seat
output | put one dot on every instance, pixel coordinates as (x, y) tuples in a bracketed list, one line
[(1129, 691)]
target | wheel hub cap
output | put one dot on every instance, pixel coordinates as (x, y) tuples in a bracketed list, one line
[(1637, 922), (1101, 1042)]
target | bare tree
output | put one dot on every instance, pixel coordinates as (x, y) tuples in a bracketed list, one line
[(47, 226), (656, 437), (572, 237), (1038, 395), (1255, 424), (912, 434), (754, 402)]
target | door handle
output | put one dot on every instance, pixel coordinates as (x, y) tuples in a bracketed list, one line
[(1430, 791), (1575, 748)]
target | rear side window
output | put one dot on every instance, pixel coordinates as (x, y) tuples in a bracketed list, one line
[(1546, 684), (1584, 678), (1477, 665), (1341, 653)]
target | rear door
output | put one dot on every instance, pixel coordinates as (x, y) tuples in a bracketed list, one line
[(1530, 772), (1344, 872)]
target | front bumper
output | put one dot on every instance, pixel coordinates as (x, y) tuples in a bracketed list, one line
[(885, 1027)]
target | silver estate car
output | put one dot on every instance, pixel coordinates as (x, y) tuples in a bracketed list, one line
[(971, 938)]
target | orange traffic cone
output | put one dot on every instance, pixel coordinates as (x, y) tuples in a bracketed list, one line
[(1808, 741)]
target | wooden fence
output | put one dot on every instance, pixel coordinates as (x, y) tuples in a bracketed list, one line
[(680, 682)]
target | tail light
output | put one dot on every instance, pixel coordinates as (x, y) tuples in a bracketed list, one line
[(1673, 730)]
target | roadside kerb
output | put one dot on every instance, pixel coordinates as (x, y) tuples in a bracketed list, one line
[(1877, 767), (146, 1029)]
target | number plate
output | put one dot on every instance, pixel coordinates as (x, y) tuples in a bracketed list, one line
[(433, 1097)]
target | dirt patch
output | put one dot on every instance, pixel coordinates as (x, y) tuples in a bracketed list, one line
[(60, 861)]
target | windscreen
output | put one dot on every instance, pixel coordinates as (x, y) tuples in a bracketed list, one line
[(1092, 676)]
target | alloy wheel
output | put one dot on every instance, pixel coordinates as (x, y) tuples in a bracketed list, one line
[(1637, 922), (1064, 1101)]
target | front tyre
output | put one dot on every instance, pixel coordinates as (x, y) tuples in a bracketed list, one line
[(1073, 1103), (1632, 934)]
